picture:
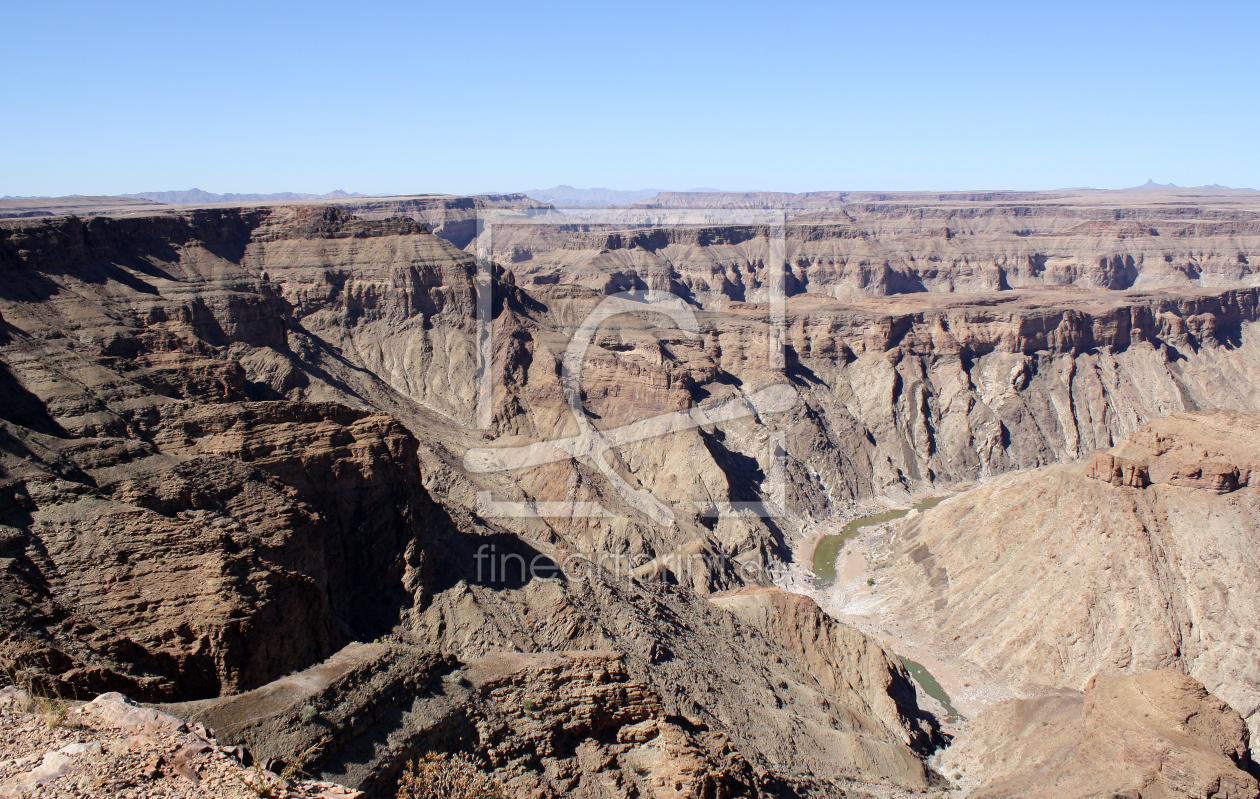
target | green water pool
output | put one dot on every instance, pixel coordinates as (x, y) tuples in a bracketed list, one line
[(931, 687), (830, 546)]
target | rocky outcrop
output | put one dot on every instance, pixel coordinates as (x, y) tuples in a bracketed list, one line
[(357, 716), (219, 548), (1118, 471), (707, 665), (545, 725), (1048, 577), (846, 663), (542, 710), (1215, 451), (112, 746), (1157, 734)]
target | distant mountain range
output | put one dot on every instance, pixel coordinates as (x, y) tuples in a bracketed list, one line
[(1150, 184), (593, 198), (199, 196), (563, 195)]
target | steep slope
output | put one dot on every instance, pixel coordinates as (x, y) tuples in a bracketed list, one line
[(1142, 557), (894, 394), (221, 547), (210, 393), (1157, 735)]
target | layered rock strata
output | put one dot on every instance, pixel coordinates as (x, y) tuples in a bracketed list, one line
[(219, 548), (234, 444), (851, 245), (546, 725)]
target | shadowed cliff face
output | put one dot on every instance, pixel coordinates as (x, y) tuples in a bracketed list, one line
[(215, 548), (166, 536)]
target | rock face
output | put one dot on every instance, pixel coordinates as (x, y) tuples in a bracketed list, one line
[(1215, 452), (218, 548), (583, 707), (1048, 577), (450, 217), (711, 666), (546, 724), (1158, 734), (895, 394), (1118, 471), (850, 245), (843, 661)]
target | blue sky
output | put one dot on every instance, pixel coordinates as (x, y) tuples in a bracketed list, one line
[(397, 97)]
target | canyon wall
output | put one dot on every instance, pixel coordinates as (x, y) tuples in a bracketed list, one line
[(892, 395), (851, 245), (1137, 558), (237, 440)]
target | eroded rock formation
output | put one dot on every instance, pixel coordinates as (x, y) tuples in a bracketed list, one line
[(850, 245), (1048, 577), (1158, 734), (220, 547), (218, 430)]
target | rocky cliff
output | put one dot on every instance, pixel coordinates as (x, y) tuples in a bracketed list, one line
[(1141, 556), (237, 442), (851, 245), (219, 548)]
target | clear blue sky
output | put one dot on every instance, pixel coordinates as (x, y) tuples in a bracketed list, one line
[(463, 97)]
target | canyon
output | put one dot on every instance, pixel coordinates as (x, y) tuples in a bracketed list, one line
[(245, 473)]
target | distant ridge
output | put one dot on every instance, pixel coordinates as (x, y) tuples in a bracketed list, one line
[(77, 205), (199, 196), (1151, 184), (593, 198)]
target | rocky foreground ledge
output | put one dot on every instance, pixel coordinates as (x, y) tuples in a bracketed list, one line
[(114, 747)]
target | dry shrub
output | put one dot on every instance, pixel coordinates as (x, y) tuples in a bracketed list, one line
[(265, 785), (33, 695), (437, 776)]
